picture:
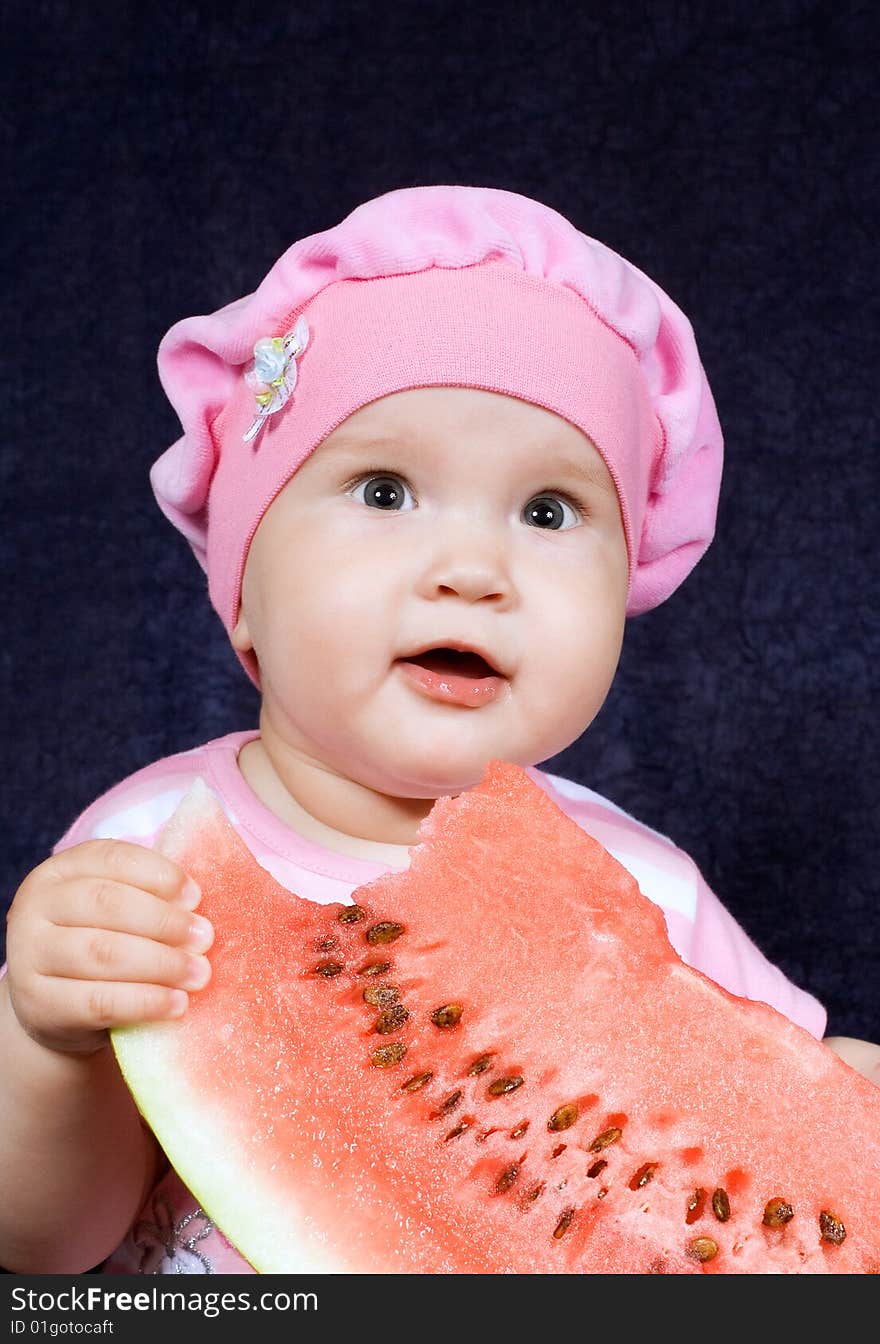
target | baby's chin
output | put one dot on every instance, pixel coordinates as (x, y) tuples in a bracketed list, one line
[(432, 779), (412, 763)]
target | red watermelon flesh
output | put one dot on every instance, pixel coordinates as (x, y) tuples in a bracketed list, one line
[(494, 1062)]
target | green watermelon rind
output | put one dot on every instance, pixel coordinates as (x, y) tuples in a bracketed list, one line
[(168, 1110)]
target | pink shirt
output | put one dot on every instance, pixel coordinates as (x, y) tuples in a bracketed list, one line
[(172, 1235)]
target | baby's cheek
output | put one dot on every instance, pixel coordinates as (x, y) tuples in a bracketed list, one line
[(574, 665)]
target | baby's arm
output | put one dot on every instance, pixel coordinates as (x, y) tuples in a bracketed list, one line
[(100, 935), (863, 1056)]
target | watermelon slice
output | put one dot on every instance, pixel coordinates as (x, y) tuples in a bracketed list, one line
[(494, 1062)]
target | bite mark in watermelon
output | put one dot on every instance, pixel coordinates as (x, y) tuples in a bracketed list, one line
[(493, 1062)]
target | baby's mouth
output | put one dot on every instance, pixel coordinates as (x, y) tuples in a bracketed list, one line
[(454, 662), (455, 676)]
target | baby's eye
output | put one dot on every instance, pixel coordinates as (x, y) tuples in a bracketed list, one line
[(383, 492), (550, 512)]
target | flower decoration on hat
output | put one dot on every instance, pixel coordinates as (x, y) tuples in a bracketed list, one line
[(272, 376)]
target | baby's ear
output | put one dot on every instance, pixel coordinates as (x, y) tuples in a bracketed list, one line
[(241, 635)]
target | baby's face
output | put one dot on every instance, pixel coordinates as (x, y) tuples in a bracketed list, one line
[(443, 582)]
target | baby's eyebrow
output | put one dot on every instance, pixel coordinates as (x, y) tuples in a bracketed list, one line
[(591, 470), (370, 443)]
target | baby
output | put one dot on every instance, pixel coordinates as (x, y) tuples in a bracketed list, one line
[(430, 466)]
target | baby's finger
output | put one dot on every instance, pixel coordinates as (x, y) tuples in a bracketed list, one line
[(101, 903), (72, 1011), (121, 861), (103, 955)]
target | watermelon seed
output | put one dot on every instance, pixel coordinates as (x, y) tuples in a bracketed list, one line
[(695, 1206), (384, 932), (703, 1249), (564, 1118), (388, 1054), (502, 1086), (518, 1130), (326, 944), (459, 1129), (375, 968), (643, 1175), (328, 969), (351, 914), (480, 1065), (447, 1016), (507, 1178), (560, 1148), (449, 1104), (564, 1223), (417, 1082), (721, 1205), (534, 1193), (603, 1192), (777, 1213), (486, 1133), (390, 1019), (597, 1168), (605, 1139), (831, 1227), (381, 996)]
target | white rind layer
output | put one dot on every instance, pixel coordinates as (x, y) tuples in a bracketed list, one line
[(232, 1195), (185, 1125)]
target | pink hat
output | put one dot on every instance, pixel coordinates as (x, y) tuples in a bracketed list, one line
[(431, 286)]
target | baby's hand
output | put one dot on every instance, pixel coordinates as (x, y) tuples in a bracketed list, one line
[(103, 935)]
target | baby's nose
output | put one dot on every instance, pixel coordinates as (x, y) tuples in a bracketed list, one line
[(469, 564)]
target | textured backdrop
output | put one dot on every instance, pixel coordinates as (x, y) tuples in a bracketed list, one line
[(158, 159)]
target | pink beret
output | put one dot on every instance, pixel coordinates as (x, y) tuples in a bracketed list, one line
[(432, 286)]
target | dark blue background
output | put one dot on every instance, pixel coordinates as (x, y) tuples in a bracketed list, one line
[(160, 157)]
